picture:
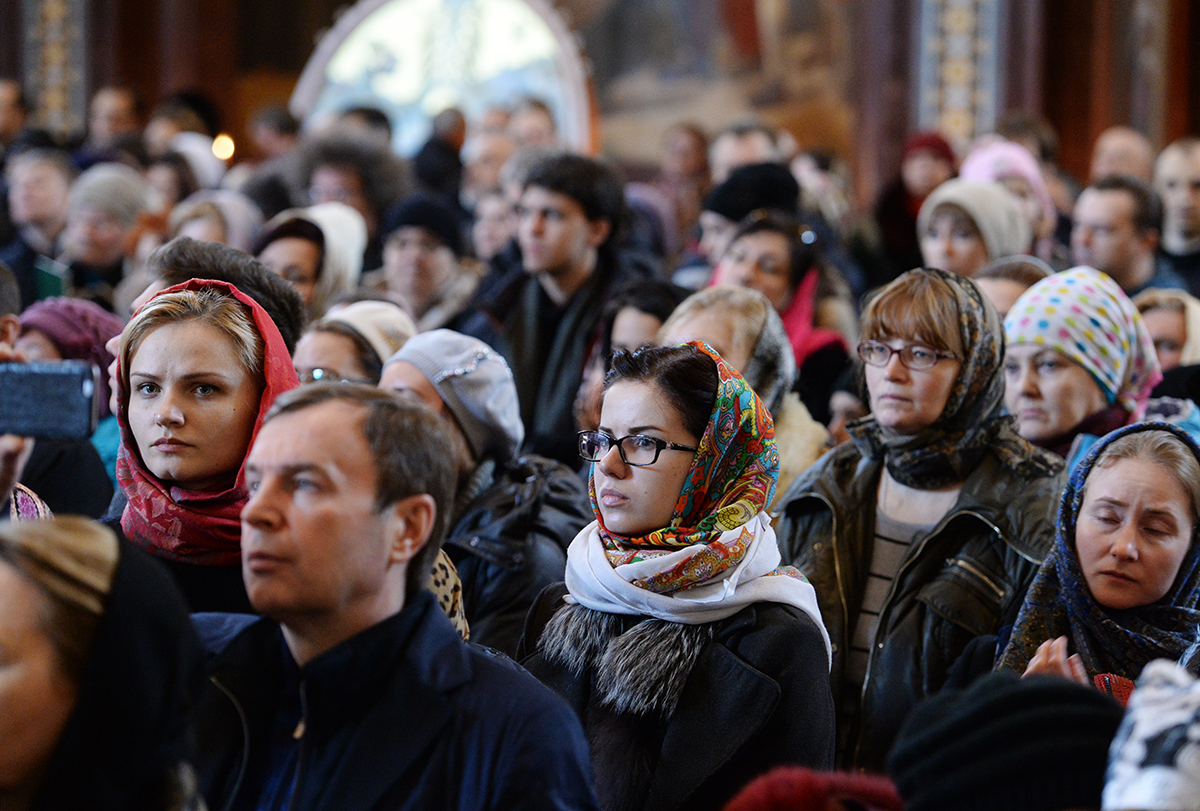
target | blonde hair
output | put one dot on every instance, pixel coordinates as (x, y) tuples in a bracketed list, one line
[(917, 306), (185, 212), (1159, 299), (746, 309), (70, 561), (1162, 448), (213, 306)]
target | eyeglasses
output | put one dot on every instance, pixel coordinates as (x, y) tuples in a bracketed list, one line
[(913, 356), (328, 376), (637, 450)]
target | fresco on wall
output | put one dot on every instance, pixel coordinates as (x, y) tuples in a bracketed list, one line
[(712, 61)]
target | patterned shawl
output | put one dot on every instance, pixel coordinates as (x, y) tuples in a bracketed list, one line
[(1059, 602), (719, 553), (970, 424), (197, 526)]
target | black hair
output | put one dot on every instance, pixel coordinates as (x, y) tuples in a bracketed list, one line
[(373, 117), (1147, 207), (408, 444), (655, 297), (295, 228), (365, 354), (687, 377), (384, 177), (183, 259), (593, 185), (188, 184), (278, 118)]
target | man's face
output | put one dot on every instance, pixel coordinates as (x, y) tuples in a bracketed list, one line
[(1104, 236), (112, 115), (37, 193), (554, 233), (95, 237), (1177, 180), (12, 117), (313, 543)]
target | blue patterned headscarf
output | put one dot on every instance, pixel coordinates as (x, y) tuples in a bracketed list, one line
[(1059, 603)]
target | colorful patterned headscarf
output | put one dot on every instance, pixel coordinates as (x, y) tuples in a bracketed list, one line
[(970, 423), (731, 480), (1059, 602), (1084, 315)]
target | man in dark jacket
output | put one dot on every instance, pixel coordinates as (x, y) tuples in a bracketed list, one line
[(513, 516), (568, 223), (353, 691)]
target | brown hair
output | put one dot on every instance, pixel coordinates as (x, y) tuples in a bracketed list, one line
[(408, 444), (1024, 270), (917, 306), (1162, 448), (70, 561)]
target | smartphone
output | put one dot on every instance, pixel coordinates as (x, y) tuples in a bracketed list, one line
[(49, 400)]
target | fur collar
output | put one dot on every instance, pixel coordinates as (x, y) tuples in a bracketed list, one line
[(639, 669)]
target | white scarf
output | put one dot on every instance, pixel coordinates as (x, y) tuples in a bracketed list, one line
[(594, 583)]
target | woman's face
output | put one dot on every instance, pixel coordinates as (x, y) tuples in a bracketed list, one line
[(36, 697), (1133, 530), (1027, 199), (909, 400), (1047, 392), (1003, 293), (192, 405), (297, 262), (633, 328), (36, 345), (760, 261), (336, 355), (953, 244), (416, 265), (637, 500), (1167, 328)]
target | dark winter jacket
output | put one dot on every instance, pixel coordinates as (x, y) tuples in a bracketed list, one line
[(966, 578), (757, 696), (405, 715), (509, 541)]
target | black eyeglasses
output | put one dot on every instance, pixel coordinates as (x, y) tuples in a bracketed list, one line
[(913, 356), (637, 450)]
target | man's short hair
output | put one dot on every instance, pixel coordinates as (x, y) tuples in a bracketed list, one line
[(1147, 207), (59, 159), (408, 443), (183, 259), (277, 118), (593, 185)]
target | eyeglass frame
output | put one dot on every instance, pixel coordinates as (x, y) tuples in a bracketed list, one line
[(321, 375), (938, 355), (660, 445)]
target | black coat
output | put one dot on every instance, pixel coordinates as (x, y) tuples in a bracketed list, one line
[(757, 697), (510, 542), (405, 715)]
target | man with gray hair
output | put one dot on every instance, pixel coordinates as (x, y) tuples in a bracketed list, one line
[(102, 211)]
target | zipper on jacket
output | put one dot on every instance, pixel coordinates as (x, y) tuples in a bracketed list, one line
[(887, 604), (245, 759), (298, 735), (975, 570)]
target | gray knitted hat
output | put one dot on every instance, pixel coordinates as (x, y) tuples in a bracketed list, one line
[(994, 210), (476, 385)]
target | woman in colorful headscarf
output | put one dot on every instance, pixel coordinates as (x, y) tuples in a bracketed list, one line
[(1122, 585), (695, 661), (57, 329), (924, 531), (1080, 362), (200, 364)]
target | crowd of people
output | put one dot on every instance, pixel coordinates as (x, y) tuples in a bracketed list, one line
[(498, 476)]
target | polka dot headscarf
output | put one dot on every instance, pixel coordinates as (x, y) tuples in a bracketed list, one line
[(1084, 315)]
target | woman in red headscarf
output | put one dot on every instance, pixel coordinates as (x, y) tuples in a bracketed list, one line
[(200, 364)]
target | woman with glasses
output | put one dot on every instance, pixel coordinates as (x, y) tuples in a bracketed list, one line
[(925, 530), (771, 252), (694, 660), (352, 342)]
